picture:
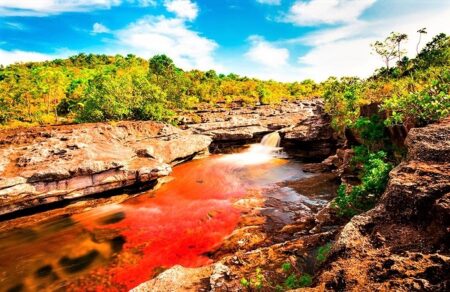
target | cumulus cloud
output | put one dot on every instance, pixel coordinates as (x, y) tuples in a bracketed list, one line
[(345, 50), (51, 7), (185, 9), (267, 54), (171, 36), (326, 11), (11, 57), (269, 2), (99, 28)]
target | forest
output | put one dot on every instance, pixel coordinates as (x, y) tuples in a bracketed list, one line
[(94, 88)]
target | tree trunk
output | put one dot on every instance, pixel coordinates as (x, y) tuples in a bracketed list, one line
[(418, 43)]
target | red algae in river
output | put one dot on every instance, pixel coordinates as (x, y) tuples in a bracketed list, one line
[(174, 225)]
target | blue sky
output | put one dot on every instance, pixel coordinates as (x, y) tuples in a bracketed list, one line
[(271, 39)]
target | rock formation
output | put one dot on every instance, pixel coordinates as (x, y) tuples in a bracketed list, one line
[(49, 164), (304, 126), (403, 244)]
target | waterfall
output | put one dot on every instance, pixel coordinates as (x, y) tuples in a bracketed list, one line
[(257, 153), (271, 140)]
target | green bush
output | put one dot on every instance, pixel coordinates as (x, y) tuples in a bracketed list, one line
[(371, 130), (374, 178), (293, 281), (423, 107), (322, 252), (123, 97)]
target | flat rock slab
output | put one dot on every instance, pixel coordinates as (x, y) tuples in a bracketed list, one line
[(48, 164), (301, 121)]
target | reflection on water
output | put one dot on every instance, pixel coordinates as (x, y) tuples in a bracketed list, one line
[(118, 246)]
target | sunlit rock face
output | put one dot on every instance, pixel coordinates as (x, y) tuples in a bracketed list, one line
[(49, 164), (403, 244), (303, 126)]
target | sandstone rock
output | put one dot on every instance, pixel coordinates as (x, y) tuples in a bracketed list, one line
[(403, 243), (304, 126), (49, 164), (218, 276), (176, 279)]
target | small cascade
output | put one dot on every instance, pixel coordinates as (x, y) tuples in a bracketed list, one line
[(271, 140), (260, 153)]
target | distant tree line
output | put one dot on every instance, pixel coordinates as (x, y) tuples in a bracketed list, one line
[(92, 88)]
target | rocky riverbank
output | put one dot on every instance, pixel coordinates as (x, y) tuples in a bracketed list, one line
[(49, 164), (402, 244), (45, 165)]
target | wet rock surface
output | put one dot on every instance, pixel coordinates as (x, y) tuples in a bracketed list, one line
[(304, 126), (50, 164), (402, 244), (283, 224)]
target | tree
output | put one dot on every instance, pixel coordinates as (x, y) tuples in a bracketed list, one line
[(161, 65), (398, 38), (387, 49), (420, 31)]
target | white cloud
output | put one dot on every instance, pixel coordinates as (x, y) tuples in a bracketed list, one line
[(326, 11), (10, 57), (345, 50), (99, 28), (182, 8), (51, 7), (341, 58), (265, 53), (160, 35), (269, 2)]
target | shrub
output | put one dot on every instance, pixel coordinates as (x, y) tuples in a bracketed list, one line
[(294, 281), (255, 282), (322, 252), (371, 130), (374, 177), (423, 107), (122, 97)]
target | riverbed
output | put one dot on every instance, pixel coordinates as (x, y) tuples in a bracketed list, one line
[(207, 209)]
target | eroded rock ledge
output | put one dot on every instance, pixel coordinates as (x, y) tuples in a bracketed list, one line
[(49, 164), (404, 243), (304, 126)]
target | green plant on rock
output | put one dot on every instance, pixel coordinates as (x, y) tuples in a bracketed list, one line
[(322, 252), (374, 177), (255, 282), (371, 130), (286, 267), (294, 280)]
